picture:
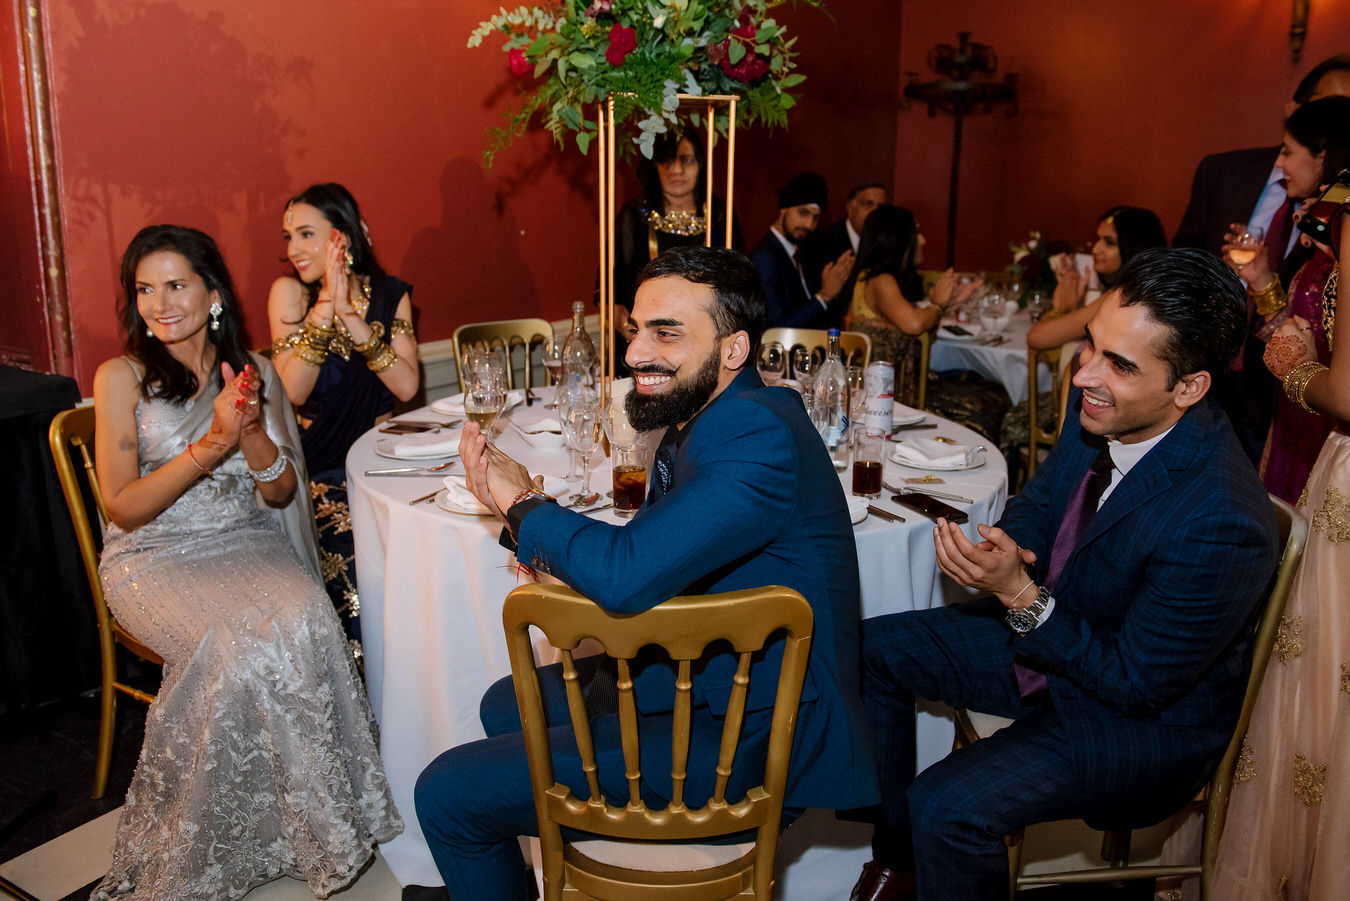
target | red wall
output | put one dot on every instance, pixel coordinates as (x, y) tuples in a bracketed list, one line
[(212, 112), (1119, 100)]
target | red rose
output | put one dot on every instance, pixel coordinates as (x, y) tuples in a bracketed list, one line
[(747, 70), (751, 66), (622, 41), (519, 64), (746, 28)]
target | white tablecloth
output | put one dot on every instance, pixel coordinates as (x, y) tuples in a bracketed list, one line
[(1005, 363), (431, 585)]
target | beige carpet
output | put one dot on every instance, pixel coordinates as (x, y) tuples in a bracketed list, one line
[(67, 863)]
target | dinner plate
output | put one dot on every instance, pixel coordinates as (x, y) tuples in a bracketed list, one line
[(442, 500), (454, 404), (976, 463), (384, 447), (905, 415)]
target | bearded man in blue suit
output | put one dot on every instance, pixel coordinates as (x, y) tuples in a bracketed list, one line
[(743, 494), (1116, 631)]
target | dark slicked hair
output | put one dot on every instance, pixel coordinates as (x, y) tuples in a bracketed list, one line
[(1201, 301), (165, 377), (866, 186), (1303, 93), (741, 305)]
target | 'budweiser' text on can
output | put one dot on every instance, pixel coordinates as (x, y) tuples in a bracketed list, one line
[(879, 383)]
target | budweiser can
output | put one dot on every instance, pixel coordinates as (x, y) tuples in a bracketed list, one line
[(879, 383)]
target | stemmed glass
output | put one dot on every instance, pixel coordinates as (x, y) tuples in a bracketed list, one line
[(993, 312), (552, 352), (857, 402), (1247, 244), (486, 393), (804, 370), (772, 363), (581, 431)]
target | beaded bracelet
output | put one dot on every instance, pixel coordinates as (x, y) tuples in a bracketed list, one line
[(1296, 382), (273, 472)]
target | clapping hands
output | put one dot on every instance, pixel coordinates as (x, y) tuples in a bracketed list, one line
[(236, 407)]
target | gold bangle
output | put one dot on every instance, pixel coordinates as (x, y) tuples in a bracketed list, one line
[(368, 347), (402, 327), (381, 358), (1297, 379), (193, 457), (1270, 299)]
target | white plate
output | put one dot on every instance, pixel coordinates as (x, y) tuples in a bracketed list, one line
[(947, 335), (950, 467), (384, 447), (903, 415), (442, 500), (454, 404)]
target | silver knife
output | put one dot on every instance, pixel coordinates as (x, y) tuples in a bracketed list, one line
[(939, 494)]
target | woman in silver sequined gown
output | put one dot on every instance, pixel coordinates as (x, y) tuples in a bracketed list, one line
[(260, 757)]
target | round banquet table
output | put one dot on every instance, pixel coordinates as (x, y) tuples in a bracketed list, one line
[(1005, 363), (431, 585)]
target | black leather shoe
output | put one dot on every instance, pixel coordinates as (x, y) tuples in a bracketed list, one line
[(880, 883)]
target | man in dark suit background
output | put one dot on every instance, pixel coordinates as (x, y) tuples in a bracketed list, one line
[(1122, 582), (827, 244), (1246, 187), (778, 257), (742, 494)]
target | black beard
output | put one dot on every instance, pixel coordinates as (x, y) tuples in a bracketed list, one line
[(648, 412)]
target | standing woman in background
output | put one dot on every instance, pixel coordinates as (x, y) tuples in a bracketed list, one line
[(259, 757), (343, 345)]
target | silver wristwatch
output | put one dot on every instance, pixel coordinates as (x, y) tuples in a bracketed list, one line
[(1029, 617)]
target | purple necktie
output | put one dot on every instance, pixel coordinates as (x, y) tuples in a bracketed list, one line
[(1082, 506)]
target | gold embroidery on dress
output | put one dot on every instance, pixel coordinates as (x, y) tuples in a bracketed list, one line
[(1287, 644), (1309, 780), (1282, 890), (1331, 519), (1345, 678), (1302, 499), (1245, 769)]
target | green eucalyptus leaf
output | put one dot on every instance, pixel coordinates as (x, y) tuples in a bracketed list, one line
[(583, 141), (791, 81), (581, 60), (736, 52)]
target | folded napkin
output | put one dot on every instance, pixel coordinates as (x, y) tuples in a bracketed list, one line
[(902, 415), (927, 452), (440, 443), (454, 404), (461, 498), (547, 424), (857, 508)]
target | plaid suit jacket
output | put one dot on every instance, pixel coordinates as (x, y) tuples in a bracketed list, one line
[(1148, 646)]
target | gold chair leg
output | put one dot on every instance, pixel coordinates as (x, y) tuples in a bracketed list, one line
[(107, 717), (1014, 860)]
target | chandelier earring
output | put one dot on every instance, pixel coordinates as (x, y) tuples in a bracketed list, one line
[(216, 309), (348, 261)]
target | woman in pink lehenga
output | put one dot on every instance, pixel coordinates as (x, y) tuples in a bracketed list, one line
[(1288, 826)]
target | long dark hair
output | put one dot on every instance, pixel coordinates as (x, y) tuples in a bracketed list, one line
[(1323, 126), (165, 377), (666, 149), (339, 207), (1137, 230), (889, 240)]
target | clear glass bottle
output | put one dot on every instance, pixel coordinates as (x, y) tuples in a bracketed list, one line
[(579, 356), (831, 397)]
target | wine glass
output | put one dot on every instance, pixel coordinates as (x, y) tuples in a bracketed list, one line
[(804, 370), (1038, 304), (993, 313), (569, 393), (552, 352), (1246, 245), (772, 363), (486, 394), (581, 431), (857, 401)]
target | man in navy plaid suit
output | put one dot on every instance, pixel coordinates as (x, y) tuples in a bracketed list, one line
[(1120, 587)]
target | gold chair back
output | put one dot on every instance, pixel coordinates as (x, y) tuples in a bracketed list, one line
[(684, 627), (854, 347), (71, 436), (1042, 434), (508, 334), (1214, 797)]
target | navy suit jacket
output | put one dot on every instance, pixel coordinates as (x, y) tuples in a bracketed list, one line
[(754, 500), (1148, 646), (822, 248), (789, 305)]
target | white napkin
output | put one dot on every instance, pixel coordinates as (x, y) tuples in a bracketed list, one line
[(459, 496), (902, 415), (927, 452), (454, 404), (857, 508), (440, 443), (547, 424)]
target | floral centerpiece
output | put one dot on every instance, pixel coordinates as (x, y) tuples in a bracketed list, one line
[(643, 54), (1031, 267)]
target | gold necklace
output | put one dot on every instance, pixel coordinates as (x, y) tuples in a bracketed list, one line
[(676, 222)]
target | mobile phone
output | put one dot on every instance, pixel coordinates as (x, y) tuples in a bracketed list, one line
[(1323, 221), (961, 330), (930, 506), (405, 428)]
